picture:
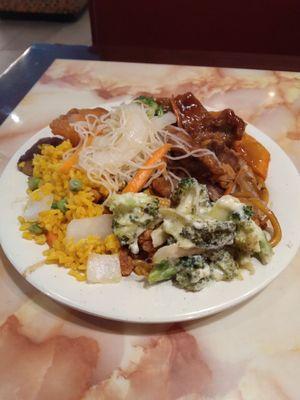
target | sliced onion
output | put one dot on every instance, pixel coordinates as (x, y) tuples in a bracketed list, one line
[(163, 121), (103, 268), (174, 251), (34, 207), (97, 226), (158, 236), (133, 128)]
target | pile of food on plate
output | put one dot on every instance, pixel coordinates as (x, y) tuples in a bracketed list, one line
[(160, 188)]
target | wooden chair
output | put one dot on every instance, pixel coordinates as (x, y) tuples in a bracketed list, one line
[(193, 31)]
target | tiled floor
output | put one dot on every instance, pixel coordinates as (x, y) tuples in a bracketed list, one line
[(16, 36)]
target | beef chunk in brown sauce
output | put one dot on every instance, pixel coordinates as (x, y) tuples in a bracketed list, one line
[(25, 164), (215, 133), (202, 124), (161, 187)]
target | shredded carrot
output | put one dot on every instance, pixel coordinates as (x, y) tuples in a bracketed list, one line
[(72, 160), (50, 238), (142, 175)]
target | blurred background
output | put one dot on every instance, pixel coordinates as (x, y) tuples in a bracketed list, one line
[(199, 32), (24, 22)]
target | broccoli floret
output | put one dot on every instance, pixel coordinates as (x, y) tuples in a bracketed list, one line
[(125, 203), (185, 271), (196, 261), (152, 208), (247, 237), (248, 211), (183, 187), (230, 208), (193, 274), (154, 109), (265, 250), (244, 214), (223, 266), (250, 239), (133, 213), (210, 234), (162, 271), (190, 197), (196, 272)]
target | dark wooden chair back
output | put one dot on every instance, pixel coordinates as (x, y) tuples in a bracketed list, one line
[(176, 31)]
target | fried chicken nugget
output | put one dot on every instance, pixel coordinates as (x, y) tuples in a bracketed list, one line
[(62, 125)]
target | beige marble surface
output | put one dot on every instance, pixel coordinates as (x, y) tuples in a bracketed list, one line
[(250, 352)]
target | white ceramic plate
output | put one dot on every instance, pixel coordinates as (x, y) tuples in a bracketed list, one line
[(130, 300)]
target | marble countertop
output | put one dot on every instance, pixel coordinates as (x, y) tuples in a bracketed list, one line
[(250, 352)]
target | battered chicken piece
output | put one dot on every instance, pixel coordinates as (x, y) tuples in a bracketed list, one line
[(62, 125), (145, 242), (126, 262)]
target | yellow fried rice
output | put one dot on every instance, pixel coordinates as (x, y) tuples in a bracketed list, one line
[(81, 204)]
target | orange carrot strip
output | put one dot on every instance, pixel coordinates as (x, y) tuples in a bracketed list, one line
[(50, 238), (142, 175), (71, 161)]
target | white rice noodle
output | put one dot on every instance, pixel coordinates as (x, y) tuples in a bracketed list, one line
[(184, 170), (124, 139), (194, 153), (128, 139)]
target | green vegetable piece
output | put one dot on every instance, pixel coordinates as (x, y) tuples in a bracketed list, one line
[(33, 182), (190, 197), (223, 264), (192, 262), (193, 273), (183, 187), (211, 234), (149, 101), (154, 108), (152, 208), (248, 210), (266, 251), (35, 228), (250, 239), (133, 213), (159, 111), (60, 205), (245, 214), (75, 185), (163, 271)]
